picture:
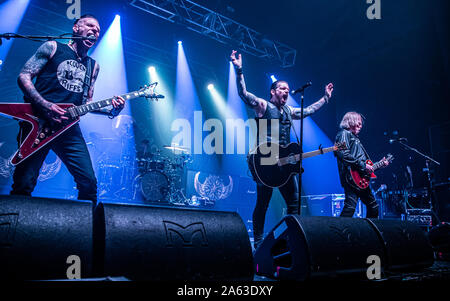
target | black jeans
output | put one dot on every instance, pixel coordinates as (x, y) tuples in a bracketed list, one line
[(289, 191), (71, 148), (351, 200)]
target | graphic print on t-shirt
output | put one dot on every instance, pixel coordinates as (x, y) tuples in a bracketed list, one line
[(71, 75)]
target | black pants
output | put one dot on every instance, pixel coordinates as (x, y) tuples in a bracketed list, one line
[(71, 148), (351, 200), (289, 191)]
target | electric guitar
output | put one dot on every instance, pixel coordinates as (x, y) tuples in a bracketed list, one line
[(361, 180), (272, 165), (43, 131)]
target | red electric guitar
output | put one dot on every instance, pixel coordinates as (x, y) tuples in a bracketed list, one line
[(361, 180), (44, 131)]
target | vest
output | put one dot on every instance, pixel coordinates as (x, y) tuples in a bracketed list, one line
[(62, 80), (283, 128)]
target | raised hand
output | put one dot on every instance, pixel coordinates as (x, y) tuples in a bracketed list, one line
[(237, 61), (329, 90)]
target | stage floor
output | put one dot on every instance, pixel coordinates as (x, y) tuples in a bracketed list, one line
[(439, 271)]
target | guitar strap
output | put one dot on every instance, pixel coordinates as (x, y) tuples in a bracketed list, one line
[(87, 80), (364, 150), (287, 110)]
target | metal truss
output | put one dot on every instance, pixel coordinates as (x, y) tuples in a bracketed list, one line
[(218, 27)]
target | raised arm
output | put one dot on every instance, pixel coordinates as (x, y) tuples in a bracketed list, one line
[(25, 81), (296, 112), (248, 98)]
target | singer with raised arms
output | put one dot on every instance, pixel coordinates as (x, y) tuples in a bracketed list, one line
[(274, 109), (63, 73)]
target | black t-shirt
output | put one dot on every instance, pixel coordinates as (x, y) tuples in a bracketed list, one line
[(62, 78)]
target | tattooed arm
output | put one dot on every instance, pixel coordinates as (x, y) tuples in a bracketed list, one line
[(296, 112), (117, 102), (258, 104), (25, 81)]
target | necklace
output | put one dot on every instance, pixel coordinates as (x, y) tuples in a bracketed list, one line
[(76, 53)]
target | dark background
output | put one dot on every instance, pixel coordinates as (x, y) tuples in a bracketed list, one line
[(395, 71)]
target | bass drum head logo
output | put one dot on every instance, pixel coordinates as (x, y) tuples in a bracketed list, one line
[(71, 75)]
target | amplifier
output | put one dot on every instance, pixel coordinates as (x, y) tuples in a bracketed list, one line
[(421, 217), (330, 205)]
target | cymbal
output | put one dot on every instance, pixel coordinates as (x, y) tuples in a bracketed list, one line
[(176, 148)]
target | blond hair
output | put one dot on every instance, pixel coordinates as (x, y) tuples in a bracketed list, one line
[(350, 120)]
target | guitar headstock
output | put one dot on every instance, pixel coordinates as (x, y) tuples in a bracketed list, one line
[(148, 91), (389, 158), (340, 146)]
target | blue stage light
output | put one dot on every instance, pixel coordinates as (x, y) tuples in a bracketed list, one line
[(11, 14)]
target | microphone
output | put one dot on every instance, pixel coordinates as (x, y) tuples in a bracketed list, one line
[(398, 139), (293, 92), (91, 38)]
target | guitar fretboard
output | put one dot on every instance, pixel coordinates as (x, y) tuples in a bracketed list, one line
[(316, 152), (296, 158), (93, 106), (377, 165)]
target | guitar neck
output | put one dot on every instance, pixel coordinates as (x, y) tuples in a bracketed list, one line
[(378, 165), (296, 158), (93, 106), (315, 153)]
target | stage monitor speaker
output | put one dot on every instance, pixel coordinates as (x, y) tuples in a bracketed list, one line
[(37, 236), (300, 248), (407, 246), (156, 243)]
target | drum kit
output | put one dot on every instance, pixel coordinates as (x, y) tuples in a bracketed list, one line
[(152, 176), (160, 176)]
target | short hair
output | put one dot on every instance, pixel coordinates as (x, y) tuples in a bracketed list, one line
[(350, 119), (85, 16), (274, 86)]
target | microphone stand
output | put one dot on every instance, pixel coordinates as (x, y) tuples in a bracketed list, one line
[(300, 143), (429, 177), (64, 36), (300, 162)]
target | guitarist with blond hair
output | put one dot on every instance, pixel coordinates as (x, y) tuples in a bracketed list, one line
[(355, 158)]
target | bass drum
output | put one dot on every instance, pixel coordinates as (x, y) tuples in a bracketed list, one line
[(154, 186)]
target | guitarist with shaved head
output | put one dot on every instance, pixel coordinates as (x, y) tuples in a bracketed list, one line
[(62, 73)]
